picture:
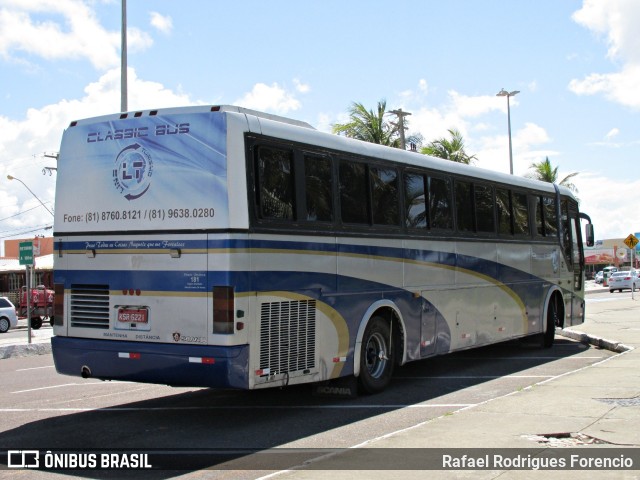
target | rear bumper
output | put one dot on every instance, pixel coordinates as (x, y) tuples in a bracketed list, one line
[(160, 363)]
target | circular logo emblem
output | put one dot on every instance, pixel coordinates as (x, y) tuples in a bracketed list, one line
[(132, 171)]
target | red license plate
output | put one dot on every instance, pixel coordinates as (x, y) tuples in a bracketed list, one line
[(133, 315)]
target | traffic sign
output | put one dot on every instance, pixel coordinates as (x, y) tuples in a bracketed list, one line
[(26, 253), (631, 241)]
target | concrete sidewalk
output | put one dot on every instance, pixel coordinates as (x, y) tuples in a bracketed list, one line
[(15, 343), (591, 408)]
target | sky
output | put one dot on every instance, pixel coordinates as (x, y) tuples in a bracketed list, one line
[(576, 65)]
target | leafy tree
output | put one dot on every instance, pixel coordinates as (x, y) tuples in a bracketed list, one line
[(545, 172), (369, 125), (449, 148)]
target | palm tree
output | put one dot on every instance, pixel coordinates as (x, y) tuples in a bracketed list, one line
[(369, 126), (449, 148), (545, 172)]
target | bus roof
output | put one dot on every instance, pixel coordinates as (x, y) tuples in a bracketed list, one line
[(303, 132), (193, 109)]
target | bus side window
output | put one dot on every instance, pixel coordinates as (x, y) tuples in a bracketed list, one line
[(384, 196), (353, 192), (464, 207), (520, 214), (415, 201), (504, 210), (275, 183), (550, 216), (440, 203), (539, 216), (566, 231), (318, 188), (485, 211)]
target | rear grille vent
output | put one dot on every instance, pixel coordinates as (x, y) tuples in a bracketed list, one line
[(90, 306), (288, 336)]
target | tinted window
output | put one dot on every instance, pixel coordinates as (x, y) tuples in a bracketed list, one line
[(464, 207), (485, 219), (566, 230), (414, 200), (318, 188), (550, 216), (353, 192), (384, 196), (275, 178), (520, 214), (503, 209), (4, 303), (539, 217), (440, 208)]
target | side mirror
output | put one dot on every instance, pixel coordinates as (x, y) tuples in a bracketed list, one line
[(588, 234)]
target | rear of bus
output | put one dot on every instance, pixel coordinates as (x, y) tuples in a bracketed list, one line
[(143, 226)]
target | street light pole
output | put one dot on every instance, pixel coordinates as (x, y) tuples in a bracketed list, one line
[(123, 59), (9, 177), (504, 93)]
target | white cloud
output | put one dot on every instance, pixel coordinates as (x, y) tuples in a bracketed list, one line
[(301, 87), (474, 106), (616, 20), (70, 30), (611, 219), (161, 22), (269, 98), (620, 87), (612, 133), (527, 147)]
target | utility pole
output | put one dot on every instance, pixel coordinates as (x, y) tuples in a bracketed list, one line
[(400, 114), (50, 170)]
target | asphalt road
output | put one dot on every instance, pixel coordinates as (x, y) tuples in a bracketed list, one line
[(43, 410)]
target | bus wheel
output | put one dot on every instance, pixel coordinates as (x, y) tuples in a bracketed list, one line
[(36, 322), (552, 321), (51, 320), (376, 362)]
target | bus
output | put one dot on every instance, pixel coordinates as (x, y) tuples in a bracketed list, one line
[(216, 246)]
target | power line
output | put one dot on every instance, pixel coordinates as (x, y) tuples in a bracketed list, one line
[(23, 232), (20, 213)]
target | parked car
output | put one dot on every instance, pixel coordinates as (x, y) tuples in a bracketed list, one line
[(626, 280), (8, 317), (599, 276)]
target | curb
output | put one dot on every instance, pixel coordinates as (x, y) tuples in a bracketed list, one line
[(582, 337), (10, 351)]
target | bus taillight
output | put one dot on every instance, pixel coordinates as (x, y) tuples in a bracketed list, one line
[(223, 306), (58, 304)]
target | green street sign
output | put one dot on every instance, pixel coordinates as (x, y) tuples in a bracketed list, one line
[(26, 253)]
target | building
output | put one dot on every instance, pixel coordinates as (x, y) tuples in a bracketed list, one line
[(13, 275), (610, 252)]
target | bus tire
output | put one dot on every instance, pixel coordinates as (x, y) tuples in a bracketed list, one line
[(376, 360), (552, 321)]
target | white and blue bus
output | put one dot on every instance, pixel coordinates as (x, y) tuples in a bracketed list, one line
[(223, 247)]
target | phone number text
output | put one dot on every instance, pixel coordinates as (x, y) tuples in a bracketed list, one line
[(151, 214)]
